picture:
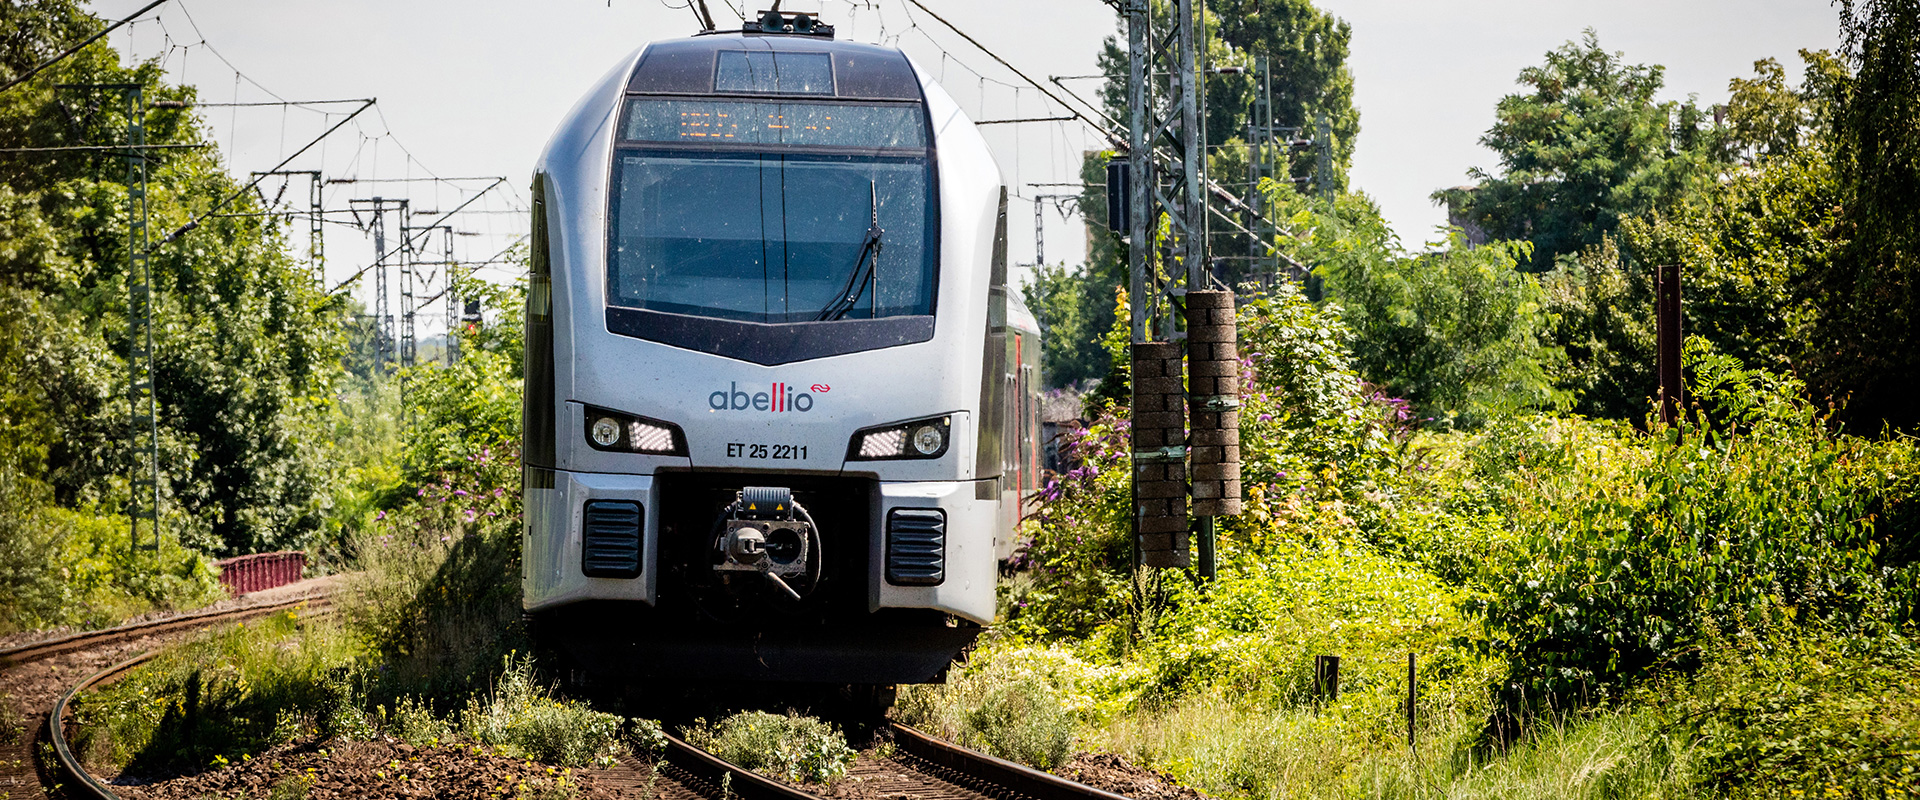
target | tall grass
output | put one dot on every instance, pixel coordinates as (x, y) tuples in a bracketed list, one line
[(1011, 707), (1229, 749), (229, 693), (438, 591)]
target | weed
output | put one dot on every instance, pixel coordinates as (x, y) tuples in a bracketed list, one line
[(1007, 706), (645, 738), (1810, 713), (438, 592), (792, 747), (524, 719), (292, 787)]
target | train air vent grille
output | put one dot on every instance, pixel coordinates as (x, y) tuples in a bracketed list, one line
[(916, 546), (611, 544)]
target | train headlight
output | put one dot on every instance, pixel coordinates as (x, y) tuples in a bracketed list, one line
[(605, 432), (628, 433), (928, 440), (917, 439)]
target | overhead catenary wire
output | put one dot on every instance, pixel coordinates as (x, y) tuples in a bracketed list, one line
[(1011, 68), (420, 231), (78, 47), (195, 222)]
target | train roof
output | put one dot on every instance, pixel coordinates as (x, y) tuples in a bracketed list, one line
[(859, 71)]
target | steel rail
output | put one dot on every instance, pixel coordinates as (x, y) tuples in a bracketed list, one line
[(696, 769), (84, 782), (714, 777), (1000, 772), (34, 651)]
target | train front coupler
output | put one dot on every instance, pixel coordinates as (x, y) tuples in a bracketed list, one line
[(765, 532)]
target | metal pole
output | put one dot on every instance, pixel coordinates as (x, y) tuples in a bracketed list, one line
[(1139, 165), (382, 336), (146, 422), (1413, 696), (1323, 168), (1205, 527), (316, 232), (1193, 156), (1039, 234), (453, 303), (1667, 334), (407, 310)]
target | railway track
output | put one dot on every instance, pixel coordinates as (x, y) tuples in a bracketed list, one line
[(920, 767), (34, 679)]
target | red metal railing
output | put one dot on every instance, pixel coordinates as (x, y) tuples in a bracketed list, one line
[(243, 574)]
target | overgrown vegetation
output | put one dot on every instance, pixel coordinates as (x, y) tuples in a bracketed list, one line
[(1594, 609), (233, 694), (244, 360), (791, 747)]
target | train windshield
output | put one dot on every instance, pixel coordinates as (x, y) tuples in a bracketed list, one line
[(768, 216)]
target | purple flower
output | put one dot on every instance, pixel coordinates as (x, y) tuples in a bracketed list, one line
[(471, 515), (459, 493)]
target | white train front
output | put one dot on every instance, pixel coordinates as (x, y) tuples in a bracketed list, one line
[(780, 409)]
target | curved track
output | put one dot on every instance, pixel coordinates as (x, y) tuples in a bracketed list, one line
[(33, 680), (921, 767)]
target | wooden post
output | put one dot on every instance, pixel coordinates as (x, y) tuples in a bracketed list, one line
[(1412, 697), (1326, 677), (1668, 336)]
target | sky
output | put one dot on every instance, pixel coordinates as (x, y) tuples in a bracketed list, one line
[(474, 89)]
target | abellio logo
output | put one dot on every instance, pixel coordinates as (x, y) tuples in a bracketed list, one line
[(778, 398)]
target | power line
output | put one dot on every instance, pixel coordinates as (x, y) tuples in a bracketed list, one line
[(1023, 76), (431, 179), (1026, 119), (179, 104), (409, 241), (76, 48), (100, 148), (195, 222)]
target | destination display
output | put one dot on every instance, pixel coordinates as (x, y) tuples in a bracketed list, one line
[(774, 123)]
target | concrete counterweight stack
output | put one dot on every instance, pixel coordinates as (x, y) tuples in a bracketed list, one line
[(1159, 449), (1213, 389)]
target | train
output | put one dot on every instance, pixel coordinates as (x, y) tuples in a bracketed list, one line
[(781, 410)]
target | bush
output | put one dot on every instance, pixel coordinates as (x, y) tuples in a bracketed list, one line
[(1010, 702), (525, 720), (792, 748), (1631, 550), (64, 567), (1801, 714), (438, 594)]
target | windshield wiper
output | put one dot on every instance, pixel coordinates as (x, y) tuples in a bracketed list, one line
[(865, 268)]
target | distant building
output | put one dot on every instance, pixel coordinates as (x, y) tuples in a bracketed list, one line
[(1459, 199), (1061, 412)]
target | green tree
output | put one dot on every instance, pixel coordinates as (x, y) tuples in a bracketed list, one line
[(1458, 332), (245, 346), (1586, 147), (1057, 297), (1747, 244), (1866, 348)]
